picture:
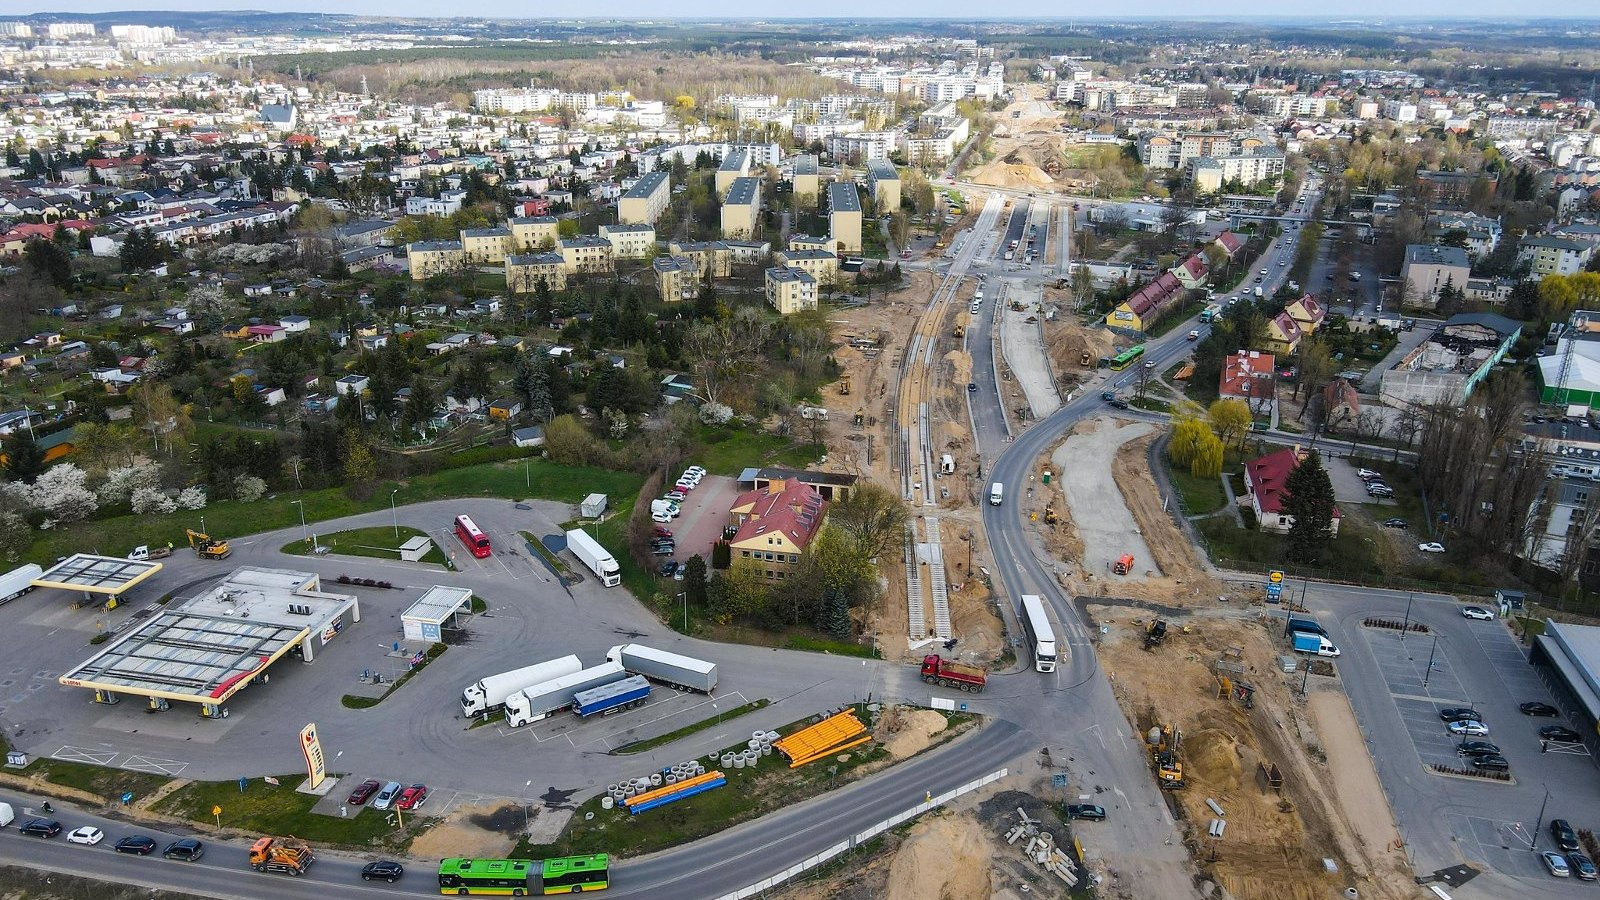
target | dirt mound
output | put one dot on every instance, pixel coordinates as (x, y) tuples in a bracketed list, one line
[(1214, 755), (1067, 341), (961, 365), (473, 830), (1011, 175), (907, 732), (943, 858)]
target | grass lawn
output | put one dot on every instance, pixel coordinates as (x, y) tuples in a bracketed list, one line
[(514, 480), (685, 731), (1200, 495), (1175, 318), (727, 451), (378, 542), (1358, 554), (1150, 404), (107, 783), (281, 810)]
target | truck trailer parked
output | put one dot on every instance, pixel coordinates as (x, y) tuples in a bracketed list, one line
[(490, 694), (667, 668), (290, 856), (613, 697), (18, 581), (949, 673), (597, 558), (537, 702)]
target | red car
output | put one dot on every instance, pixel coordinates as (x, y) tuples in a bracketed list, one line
[(364, 792), (413, 797), (663, 531)]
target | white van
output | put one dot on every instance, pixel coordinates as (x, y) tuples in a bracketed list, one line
[(7, 815), (996, 493)]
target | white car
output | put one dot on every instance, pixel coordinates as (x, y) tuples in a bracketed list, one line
[(1431, 547), (1469, 727), (1476, 612), (88, 834)]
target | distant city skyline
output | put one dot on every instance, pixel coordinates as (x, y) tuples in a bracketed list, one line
[(928, 9)]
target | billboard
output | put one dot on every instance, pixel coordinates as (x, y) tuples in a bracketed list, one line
[(311, 749)]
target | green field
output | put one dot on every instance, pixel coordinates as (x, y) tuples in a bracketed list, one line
[(377, 542), (263, 808)]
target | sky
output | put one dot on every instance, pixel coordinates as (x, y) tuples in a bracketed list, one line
[(1018, 9)]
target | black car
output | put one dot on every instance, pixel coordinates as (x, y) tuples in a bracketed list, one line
[(1582, 866), (1086, 811), (1460, 714), (186, 849), (1565, 837), (1119, 403), (1477, 748), (45, 828), (1560, 733), (972, 386), (1539, 709), (668, 569), (382, 870), (1490, 763), (1395, 523), (137, 843), (663, 551)]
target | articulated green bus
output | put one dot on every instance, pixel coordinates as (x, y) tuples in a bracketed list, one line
[(524, 877), (1127, 358)]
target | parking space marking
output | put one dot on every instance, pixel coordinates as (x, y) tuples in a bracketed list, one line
[(154, 765), (1500, 844), (85, 755)]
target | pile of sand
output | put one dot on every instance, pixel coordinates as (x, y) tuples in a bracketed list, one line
[(961, 365), (1066, 341), (1214, 757), (466, 832), (943, 858), (907, 732), (1014, 176)]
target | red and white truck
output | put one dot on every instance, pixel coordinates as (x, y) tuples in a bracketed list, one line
[(951, 674)]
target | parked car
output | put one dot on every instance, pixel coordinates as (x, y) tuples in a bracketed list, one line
[(88, 834), (1380, 490), (1470, 727), (45, 828), (675, 496), (1119, 403), (1477, 748), (186, 849), (1560, 733), (1476, 612), (382, 870), (364, 791), (387, 796), (1395, 523), (1460, 714), (1582, 866), (1087, 811), (668, 569), (1565, 837), (136, 844), (660, 517), (972, 387), (413, 797), (1431, 547), (1535, 708), (697, 470), (661, 531), (1556, 864), (1490, 763)]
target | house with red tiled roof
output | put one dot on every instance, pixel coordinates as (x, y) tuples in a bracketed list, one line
[(1247, 375), (774, 526), (1144, 306), (1230, 243), (1192, 271), (1265, 482), (1283, 333), (1340, 403), (1308, 312)]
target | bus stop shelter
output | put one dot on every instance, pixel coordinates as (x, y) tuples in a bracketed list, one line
[(107, 576), (434, 610)]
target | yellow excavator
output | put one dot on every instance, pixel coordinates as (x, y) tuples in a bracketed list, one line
[(206, 547), (1169, 768)]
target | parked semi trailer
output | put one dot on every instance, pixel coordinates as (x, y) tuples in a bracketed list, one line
[(668, 668), (597, 558), (18, 581), (537, 702), (614, 697), (490, 694)]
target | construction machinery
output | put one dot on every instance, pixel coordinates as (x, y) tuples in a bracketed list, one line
[(951, 674), (1155, 634), (1050, 514), (290, 855), (208, 547), (844, 384), (1164, 755), (960, 329)]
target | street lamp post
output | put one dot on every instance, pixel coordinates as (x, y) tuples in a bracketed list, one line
[(393, 516), (1429, 673), (1407, 626), (302, 506)]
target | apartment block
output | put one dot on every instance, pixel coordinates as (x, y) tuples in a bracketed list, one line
[(810, 242), (525, 272), (533, 233), (790, 290), (1552, 255), (429, 258), (819, 264), (630, 241), (741, 209), (1400, 110), (646, 200), (844, 217), (1429, 267), (675, 279), (735, 165), (486, 246), (1160, 151), (749, 253), (883, 181), (805, 179), (1295, 106), (711, 259), (1209, 173), (867, 145), (586, 254)]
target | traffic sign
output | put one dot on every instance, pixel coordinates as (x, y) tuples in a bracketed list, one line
[(1275, 576)]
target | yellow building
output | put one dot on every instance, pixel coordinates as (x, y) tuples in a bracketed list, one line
[(525, 272), (741, 210), (646, 200), (790, 290), (534, 233), (710, 258), (630, 241), (587, 254), (486, 246), (429, 258), (883, 181), (810, 242), (819, 264), (734, 166), (805, 181), (774, 525), (844, 217), (675, 279)]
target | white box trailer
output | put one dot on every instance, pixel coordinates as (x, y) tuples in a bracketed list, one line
[(668, 668), (537, 702), (597, 558), (18, 581), (489, 694)]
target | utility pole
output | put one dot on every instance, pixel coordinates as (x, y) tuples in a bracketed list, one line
[(1539, 826), (1426, 675), (1407, 626)]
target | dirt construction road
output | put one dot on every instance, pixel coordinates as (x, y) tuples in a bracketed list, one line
[(1104, 523)]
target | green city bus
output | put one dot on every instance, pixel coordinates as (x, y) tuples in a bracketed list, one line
[(524, 877), (1127, 358)]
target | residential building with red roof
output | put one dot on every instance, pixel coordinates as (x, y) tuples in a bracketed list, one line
[(1144, 306), (1284, 333), (775, 525), (1248, 376), (1192, 271), (1266, 481)]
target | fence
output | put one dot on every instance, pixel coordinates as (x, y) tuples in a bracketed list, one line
[(856, 840)]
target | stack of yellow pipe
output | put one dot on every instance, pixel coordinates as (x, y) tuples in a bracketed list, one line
[(831, 735)]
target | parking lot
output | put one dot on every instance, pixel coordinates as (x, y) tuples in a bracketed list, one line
[(705, 512), (1348, 488)]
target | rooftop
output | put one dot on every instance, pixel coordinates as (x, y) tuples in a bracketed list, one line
[(1436, 255), (744, 192), (784, 274), (110, 575), (805, 164), (735, 161), (842, 197), (646, 185), (882, 169)]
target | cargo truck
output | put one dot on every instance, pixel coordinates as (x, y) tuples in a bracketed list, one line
[(290, 856), (597, 558), (1210, 313), (668, 668), (18, 581), (532, 704), (948, 673), (1314, 644), (490, 693), (613, 697)]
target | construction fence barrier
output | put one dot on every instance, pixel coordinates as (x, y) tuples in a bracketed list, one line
[(860, 838)]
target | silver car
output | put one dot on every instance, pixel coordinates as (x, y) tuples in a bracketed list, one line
[(387, 796)]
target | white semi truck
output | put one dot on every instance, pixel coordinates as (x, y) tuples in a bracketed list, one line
[(18, 581), (536, 702), (597, 558), (490, 693), (668, 668)]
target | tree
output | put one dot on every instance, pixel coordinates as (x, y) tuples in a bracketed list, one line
[(1230, 419), (360, 467), (24, 456), (121, 483), (48, 261), (694, 580), (1082, 286), (726, 351), (1308, 498), (15, 536), (141, 249), (1315, 362), (62, 492), (872, 515), (160, 414)]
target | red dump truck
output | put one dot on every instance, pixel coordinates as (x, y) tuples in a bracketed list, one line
[(948, 673)]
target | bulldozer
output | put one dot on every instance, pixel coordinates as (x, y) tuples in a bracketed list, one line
[(844, 384), (960, 329), (206, 547), (1155, 634)]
